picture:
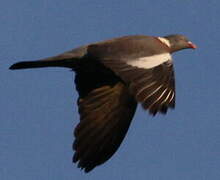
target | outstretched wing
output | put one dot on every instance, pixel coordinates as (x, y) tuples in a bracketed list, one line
[(106, 112)]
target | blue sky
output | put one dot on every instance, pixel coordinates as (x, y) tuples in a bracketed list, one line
[(38, 107)]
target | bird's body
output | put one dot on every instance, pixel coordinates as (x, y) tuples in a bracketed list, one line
[(111, 77)]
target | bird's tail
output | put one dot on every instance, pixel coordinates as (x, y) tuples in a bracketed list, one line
[(68, 59), (43, 63)]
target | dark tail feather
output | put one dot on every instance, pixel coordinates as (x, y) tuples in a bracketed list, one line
[(69, 59), (70, 63)]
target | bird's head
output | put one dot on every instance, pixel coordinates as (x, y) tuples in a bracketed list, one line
[(178, 42)]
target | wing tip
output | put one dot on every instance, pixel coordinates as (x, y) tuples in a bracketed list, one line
[(85, 166)]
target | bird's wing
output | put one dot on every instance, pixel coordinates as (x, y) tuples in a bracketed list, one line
[(105, 115), (153, 87), (150, 75)]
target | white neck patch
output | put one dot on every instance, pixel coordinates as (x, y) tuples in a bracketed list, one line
[(165, 41), (150, 61)]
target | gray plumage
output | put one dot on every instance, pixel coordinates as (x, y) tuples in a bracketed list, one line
[(110, 84)]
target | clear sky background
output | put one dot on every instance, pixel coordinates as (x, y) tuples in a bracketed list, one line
[(38, 107)]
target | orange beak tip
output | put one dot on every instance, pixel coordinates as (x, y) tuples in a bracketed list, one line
[(191, 45)]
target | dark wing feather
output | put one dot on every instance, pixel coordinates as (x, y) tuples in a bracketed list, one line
[(106, 112), (154, 87)]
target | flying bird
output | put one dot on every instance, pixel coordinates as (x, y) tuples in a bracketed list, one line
[(111, 77)]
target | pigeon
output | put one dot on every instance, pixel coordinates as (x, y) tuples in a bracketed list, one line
[(111, 77)]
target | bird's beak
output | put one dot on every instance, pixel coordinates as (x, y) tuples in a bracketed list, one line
[(191, 45)]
